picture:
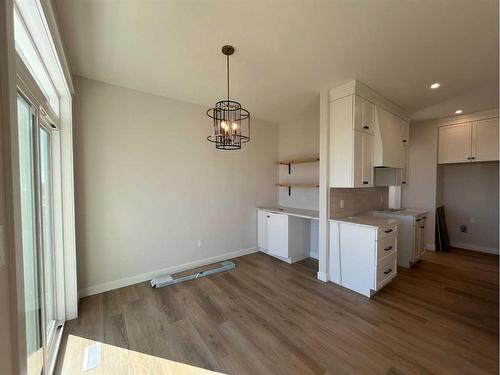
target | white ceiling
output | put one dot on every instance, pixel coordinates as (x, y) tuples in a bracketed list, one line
[(286, 51)]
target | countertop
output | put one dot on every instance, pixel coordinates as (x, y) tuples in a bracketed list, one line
[(368, 220), (299, 212), (402, 212)]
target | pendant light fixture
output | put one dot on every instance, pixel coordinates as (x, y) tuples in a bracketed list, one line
[(231, 122)]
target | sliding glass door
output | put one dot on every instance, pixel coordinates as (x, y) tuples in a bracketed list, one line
[(46, 211), (35, 158), (27, 126)]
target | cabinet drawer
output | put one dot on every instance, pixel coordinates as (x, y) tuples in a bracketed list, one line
[(386, 270), (386, 246), (387, 231)]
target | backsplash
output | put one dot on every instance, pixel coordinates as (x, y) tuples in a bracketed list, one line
[(357, 201)]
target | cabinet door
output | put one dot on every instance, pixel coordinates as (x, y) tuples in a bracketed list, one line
[(416, 242), (455, 143), (277, 234), (404, 171), (421, 238), (363, 159), (364, 115), (405, 132), (367, 160), (262, 224), (485, 140)]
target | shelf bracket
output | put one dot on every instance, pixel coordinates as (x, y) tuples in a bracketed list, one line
[(289, 190), (289, 168)]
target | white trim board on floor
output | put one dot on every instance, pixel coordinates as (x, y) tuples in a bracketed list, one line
[(120, 283), (468, 246)]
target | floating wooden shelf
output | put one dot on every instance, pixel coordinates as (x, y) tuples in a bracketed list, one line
[(299, 184), (290, 185), (311, 159)]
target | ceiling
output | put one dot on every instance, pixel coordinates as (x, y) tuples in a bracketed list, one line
[(286, 51)]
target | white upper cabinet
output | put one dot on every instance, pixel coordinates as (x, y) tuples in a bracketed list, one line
[(389, 148), (454, 143), (468, 142), (485, 140), (363, 159), (365, 131), (351, 150), (364, 115), (405, 133)]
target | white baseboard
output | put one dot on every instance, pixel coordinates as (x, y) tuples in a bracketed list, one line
[(468, 246), (120, 283)]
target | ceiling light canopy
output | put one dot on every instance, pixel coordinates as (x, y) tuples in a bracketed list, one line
[(435, 85), (231, 122)]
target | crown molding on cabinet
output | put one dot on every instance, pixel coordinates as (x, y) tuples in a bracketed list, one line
[(475, 116), (359, 88)]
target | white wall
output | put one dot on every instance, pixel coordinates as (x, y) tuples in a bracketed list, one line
[(421, 192), (149, 185), (470, 196), (299, 137)]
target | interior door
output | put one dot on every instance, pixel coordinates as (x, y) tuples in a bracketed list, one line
[(277, 235), (485, 140), (455, 143)]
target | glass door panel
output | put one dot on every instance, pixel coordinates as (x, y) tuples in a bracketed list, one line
[(45, 186), (26, 118)]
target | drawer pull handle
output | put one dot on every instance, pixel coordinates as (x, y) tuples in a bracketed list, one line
[(388, 248), (422, 227), (388, 231), (366, 127), (404, 140), (388, 271), (418, 219), (425, 217), (365, 182)]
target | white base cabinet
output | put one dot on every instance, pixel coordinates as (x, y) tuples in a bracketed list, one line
[(411, 236), (285, 237), (362, 258)]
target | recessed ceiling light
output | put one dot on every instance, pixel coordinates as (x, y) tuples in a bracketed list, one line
[(458, 111), (435, 85)]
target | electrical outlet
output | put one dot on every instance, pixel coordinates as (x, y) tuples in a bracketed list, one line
[(463, 228), (201, 243)]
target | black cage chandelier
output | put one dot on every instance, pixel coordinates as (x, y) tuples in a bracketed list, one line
[(231, 122)]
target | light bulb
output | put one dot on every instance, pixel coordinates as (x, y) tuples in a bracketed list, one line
[(223, 125), (435, 85), (235, 126)]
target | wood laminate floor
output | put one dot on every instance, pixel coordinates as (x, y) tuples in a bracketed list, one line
[(268, 317)]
